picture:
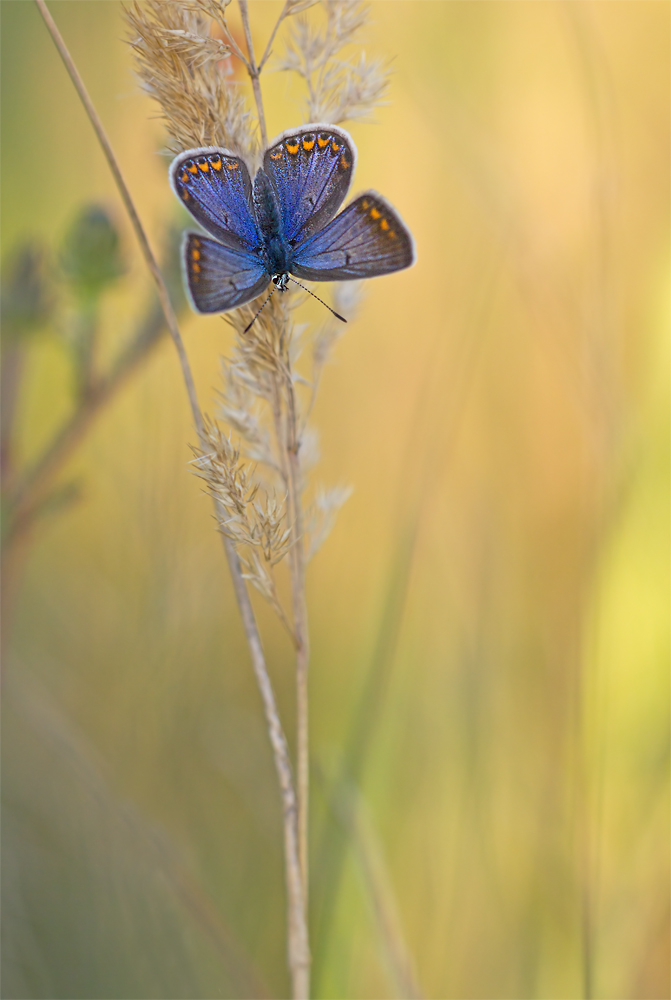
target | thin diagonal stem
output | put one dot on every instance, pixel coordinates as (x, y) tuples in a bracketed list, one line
[(297, 931), (254, 72), (298, 948), (147, 252), (273, 33), (300, 624), (234, 45), (289, 443)]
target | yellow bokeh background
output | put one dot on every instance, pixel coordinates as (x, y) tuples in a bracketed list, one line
[(489, 616)]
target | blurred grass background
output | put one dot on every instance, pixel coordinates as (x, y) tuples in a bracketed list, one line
[(490, 614)]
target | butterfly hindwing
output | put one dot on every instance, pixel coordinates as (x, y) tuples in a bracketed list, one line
[(215, 186), (221, 278), (367, 239), (311, 170)]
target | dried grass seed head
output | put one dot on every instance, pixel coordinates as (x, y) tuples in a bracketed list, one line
[(338, 89), (251, 517), (241, 409), (180, 65)]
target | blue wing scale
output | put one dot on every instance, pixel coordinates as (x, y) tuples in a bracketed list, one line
[(214, 185), (311, 170), (220, 278), (367, 239)]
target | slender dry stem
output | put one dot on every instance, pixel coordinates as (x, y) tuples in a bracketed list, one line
[(300, 625), (298, 941), (254, 71), (288, 443), (298, 946), (285, 11), (147, 252)]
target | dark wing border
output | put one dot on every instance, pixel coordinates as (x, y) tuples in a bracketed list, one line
[(317, 127)]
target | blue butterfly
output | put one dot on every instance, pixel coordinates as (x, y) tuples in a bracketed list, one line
[(283, 224)]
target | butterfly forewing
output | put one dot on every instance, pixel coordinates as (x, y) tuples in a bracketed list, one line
[(367, 239), (214, 185), (220, 278), (311, 169)]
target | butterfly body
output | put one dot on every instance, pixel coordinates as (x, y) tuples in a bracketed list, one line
[(283, 223), (276, 249)]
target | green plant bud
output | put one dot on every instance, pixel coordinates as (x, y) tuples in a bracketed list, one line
[(91, 256), (27, 298)]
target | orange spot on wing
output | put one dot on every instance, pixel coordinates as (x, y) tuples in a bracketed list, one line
[(364, 204), (195, 268), (374, 214), (195, 254), (292, 146), (344, 163), (204, 166), (308, 144), (192, 168), (185, 195), (335, 147), (392, 234), (232, 166), (384, 224), (184, 177), (323, 142), (216, 164), (276, 156)]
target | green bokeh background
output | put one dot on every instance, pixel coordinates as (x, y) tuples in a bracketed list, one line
[(490, 614)]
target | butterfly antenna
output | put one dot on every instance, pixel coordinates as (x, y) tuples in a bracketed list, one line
[(337, 315), (250, 325)]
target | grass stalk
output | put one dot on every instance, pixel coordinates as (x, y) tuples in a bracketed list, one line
[(300, 627), (289, 445), (297, 929), (254, 71), (268, 49), (147, 252)]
